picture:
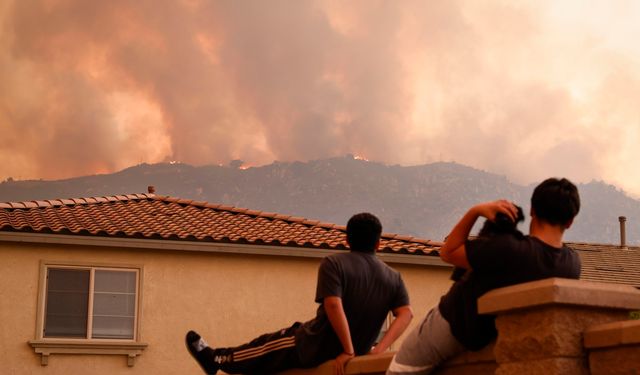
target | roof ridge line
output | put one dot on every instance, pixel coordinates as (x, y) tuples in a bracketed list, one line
[(43, 203), (608, 245), (404, 238)]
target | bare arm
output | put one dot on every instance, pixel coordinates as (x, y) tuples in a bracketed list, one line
[(338, 319), (403, 316), (453, 250)]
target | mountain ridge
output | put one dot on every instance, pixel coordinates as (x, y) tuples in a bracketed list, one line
[(423, 200)]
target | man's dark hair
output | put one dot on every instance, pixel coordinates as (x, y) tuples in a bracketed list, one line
[(363, 231), (556, 201)]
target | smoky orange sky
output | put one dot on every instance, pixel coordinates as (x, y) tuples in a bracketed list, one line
[(528, 89)]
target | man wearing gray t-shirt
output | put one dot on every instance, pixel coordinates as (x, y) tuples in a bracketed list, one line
[(355, 290)]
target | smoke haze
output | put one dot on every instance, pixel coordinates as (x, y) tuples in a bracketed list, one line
[(525, 89)]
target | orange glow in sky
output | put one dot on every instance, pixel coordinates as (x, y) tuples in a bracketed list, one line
[(526, 89)]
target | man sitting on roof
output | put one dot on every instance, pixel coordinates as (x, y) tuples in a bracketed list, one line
[(355, 290), (504, 259)]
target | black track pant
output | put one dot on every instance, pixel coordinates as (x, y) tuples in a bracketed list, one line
[(269, 353)]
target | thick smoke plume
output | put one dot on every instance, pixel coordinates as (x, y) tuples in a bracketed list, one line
[(528, 90)]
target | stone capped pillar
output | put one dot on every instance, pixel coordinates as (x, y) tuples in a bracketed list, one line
[(540, 324), (614, 348)]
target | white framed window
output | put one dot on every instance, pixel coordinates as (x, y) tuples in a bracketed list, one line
[(88, 309), (90, 303)]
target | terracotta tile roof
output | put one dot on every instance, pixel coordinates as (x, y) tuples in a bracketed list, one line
[(609, 263), (170, 218)]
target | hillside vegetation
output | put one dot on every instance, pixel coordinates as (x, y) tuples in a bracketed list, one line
[(423, 201)]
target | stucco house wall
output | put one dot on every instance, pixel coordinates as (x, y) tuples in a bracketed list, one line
[(228, 297)]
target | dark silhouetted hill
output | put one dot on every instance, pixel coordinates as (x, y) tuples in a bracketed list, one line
[(424, 201)]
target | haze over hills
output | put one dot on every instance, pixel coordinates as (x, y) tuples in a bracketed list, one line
[(424, 201)]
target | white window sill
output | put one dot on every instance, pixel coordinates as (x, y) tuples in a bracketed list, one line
[(47, 347)]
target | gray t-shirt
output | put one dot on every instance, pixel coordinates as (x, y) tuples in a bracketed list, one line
[(369, 289)]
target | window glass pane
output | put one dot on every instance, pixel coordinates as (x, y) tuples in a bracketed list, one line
[(66, 303), (112, 327), (115, 281), (114, 303)]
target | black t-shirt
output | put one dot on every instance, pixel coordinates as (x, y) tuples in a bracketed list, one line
[(369, 289), (497, 262)]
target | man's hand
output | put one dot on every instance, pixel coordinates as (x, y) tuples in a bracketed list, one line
[(490, 209), (341, 362), (453, 250)]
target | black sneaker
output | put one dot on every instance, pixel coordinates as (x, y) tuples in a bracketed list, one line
[(204, 357)]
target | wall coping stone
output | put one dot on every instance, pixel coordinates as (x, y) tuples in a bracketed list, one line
[(365, 364), (484, 355), (559, 291), (613, 334)]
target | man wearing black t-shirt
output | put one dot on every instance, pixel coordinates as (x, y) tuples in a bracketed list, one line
[(507, 259), (355, 290)]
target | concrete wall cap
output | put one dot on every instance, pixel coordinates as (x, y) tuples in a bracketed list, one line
[(366, 364), (484, 355), (559, 291), (613, 334)]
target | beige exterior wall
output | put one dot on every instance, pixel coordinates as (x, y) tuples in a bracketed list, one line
[(229, 298)]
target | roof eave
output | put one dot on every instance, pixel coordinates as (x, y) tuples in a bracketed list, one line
[(209, 247)]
